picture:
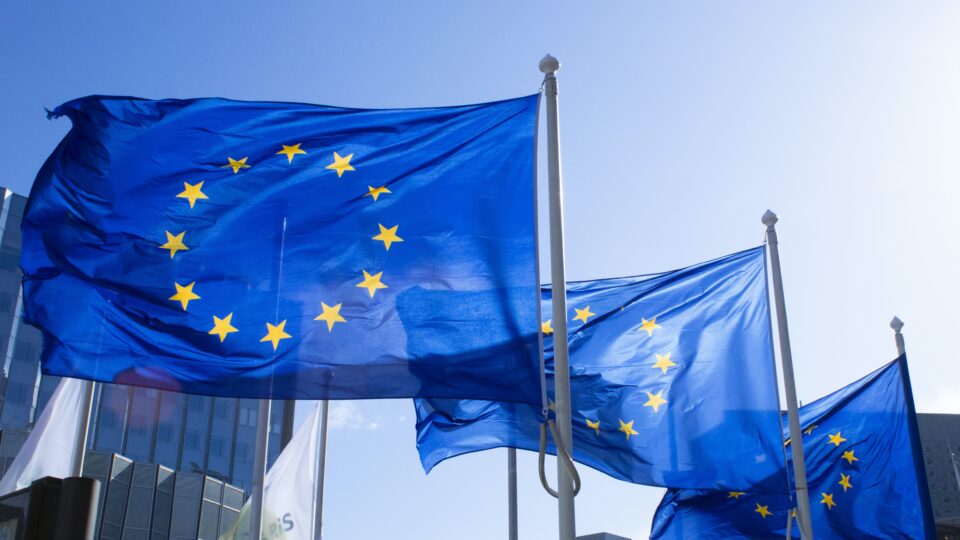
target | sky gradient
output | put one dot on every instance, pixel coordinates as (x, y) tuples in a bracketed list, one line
[(680, 125)]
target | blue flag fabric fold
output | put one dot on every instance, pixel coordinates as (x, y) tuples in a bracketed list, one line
[(864, 471), (279, 250), (673, 383)]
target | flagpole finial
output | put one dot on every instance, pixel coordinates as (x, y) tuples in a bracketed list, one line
[(549, 64), (896, 324), (769, 218)]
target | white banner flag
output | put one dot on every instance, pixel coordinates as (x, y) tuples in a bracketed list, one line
[(51, 447), (289, 491)]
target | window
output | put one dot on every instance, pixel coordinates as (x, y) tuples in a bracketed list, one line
[(25, 351), (164, 432), (217, 446), (18, 393), (192, 439), (139, 424), (220, 409), (248, 416), (7, 301), (198, 403), (9, 259)]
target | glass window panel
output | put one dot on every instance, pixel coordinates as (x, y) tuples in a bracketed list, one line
[(209, 521), (186, 506)]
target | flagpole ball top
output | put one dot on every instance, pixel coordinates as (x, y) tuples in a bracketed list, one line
[(549, 64), (769, 218), (896, 324)]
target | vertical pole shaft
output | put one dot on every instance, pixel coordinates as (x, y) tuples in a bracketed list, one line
[(321, 468), (956, 465), (286, 426), (86, 405), (512, 494), (549, 66), (786, 358), (897, 326), (259, 469)]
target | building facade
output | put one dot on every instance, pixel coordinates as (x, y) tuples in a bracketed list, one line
[(940, 437), (197, 434), (143, 501)]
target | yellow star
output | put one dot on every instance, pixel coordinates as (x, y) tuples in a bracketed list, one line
[(649, 326), (546, 328), (736, 494), (551, 405), (810, 429), (627, 428), (222, 327), (236, 164), (827, 500), (655, 401), (388, 236), (341, 164), (377, 192), (836, 438), (845, 482), (291, 151), (583, 314), (184, 294), (763, 510), (276, 333), (848, 455), (330, 315), (174, 243), (594, 425), (371, 283), (663, 362), (191, 192)]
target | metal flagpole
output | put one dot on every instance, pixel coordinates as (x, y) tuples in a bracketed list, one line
[(81, 444), (259, 469), (549, 66), (512, 493), (321, 465), (897, 326), (263, 423), (786, 358), (954, 462)]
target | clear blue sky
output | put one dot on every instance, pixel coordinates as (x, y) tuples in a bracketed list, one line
[(681, 123)]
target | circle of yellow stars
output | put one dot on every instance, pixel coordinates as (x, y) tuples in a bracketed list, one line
[(663, 363), (827, 498), (330, 314)]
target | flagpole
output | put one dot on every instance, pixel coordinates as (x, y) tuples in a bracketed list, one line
[(786, 358), (549, 66), (897, 326), (86, 404), (512, 493), (953, 461), (321, 466), (259, 469)]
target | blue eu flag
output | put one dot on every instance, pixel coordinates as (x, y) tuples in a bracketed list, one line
[(278, 250), (673, 383), (864, 473)]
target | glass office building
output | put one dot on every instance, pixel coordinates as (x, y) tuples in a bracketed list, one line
[(939, 435), (143, 501), (197, 434)]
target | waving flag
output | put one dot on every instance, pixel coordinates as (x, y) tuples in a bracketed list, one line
[(51, 447), (289, 490), (864, 472), (672, 380), (276, 250)]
